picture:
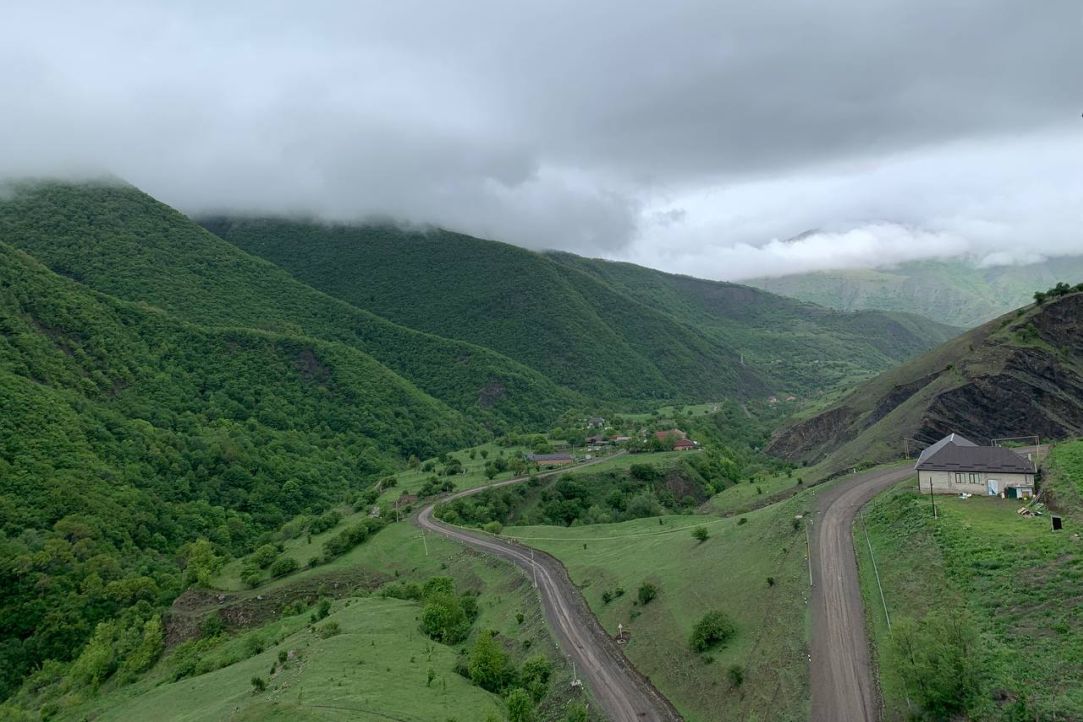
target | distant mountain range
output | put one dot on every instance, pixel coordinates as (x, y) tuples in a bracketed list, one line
[(1018, 375), (955, 292)]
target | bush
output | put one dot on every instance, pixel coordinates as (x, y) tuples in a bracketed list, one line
[(715, 628), (264, 556), (939, 660), (534, 676), (736, 674), (258, 684), (324, 522), (700, 534), (329, 629), (520, 706), (347, 539), (647, 592), (494, 527), (284, 566)]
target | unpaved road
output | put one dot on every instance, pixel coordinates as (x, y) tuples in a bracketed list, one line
[(843, 687), (624, 694)]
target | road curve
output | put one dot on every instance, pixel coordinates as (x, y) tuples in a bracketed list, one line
[(623, 694), (843, 687)]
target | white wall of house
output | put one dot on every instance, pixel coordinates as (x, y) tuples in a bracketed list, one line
[(971, 482)]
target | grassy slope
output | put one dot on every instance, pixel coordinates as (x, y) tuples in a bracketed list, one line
[(567, 325), (952, 292), (377, 666), (117, 240), (796, 345), (728, 572), (1020, 584)]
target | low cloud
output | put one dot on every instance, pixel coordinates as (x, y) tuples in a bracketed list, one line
[(693, 136)]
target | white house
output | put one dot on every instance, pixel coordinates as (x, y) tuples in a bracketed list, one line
[(955, 465)]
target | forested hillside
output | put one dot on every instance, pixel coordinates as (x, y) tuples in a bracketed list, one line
[(795, 344), (126, 436), (606, 329), (954, 292), (1021, 374), (115, 239)]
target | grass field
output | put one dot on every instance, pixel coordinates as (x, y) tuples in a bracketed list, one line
[(1018, 583), (376, 669), (729, 571)]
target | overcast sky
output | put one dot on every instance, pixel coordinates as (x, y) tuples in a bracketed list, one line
[(697, 137)]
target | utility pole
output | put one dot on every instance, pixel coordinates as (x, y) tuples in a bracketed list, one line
[(906, 442), (425, 542), (533, 567), (931, 497)]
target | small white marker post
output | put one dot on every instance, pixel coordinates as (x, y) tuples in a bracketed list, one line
[(425, 542), (534, 567)]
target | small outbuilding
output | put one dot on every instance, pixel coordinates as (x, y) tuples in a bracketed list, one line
[(956, 465), (550, 459)]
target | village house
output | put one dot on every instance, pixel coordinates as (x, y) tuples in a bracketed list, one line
[(595, 422), (549, 460), (684, 445), (956, 465)]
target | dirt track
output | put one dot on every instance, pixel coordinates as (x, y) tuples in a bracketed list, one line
[(624, 694), (843, 687)]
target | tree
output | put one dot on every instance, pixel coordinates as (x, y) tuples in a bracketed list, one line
[(534, 676), (715, 628), (488, 663), (520, 706), (202, 562), (443, 618), (284, 566), (700, 534), (264, 556), (577, 712)]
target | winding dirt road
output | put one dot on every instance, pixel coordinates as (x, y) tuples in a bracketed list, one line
[(624, 694), (843, 687)]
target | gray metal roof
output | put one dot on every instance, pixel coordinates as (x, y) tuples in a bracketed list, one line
[(958, 457), (949, 439)]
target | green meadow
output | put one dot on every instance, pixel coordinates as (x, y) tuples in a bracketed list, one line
[(752, 567)]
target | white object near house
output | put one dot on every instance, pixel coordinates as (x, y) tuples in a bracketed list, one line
[(957, 465)]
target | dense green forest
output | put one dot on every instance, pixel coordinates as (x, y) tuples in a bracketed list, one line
[(115, 239), (126, 436), (607, 329)]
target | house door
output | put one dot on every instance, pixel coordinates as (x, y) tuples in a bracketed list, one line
[(992, 487)]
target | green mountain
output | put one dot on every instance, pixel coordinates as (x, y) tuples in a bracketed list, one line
[(952, 292), (115, 239), (126, 435), (608, 330), (1018, 375)]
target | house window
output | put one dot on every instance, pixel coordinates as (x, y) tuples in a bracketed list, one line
[(960, 477), (975, 478)]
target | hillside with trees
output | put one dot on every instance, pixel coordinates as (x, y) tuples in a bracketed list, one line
[(136, 451), (112, 238), (606, 329)]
